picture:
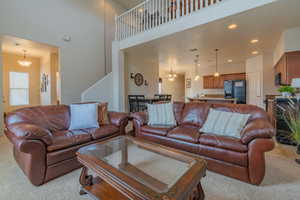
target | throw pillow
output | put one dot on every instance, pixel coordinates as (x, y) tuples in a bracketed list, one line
[(225, 123), (84, 116), (161, 115)]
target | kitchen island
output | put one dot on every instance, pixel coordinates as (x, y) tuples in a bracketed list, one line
[(213, 100)]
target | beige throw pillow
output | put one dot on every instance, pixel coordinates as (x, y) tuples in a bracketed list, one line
[(161, 115), (225, 123)]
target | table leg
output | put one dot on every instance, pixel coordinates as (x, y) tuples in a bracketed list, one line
[(197, 194), (85, 180)]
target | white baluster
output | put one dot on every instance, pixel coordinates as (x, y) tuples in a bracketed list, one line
[(159, 12), (177, 9), (144, 17), (196, 5)]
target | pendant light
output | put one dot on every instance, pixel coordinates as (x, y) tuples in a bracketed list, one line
[(24, 62), (172, 75), (217, 74), (197, 64)]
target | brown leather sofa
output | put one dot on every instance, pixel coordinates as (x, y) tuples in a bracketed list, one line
[(45, 148), (242, 159)]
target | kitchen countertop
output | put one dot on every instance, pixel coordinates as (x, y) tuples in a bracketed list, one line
[(212, 99)]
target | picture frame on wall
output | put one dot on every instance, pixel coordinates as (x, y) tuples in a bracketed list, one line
[(188, 83)]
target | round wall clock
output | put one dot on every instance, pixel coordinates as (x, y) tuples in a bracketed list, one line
[(139, 79)]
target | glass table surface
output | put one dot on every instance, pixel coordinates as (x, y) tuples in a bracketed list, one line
[(150, 165)]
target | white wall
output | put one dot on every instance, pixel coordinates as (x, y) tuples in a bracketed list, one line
[(254, 72), (47, 21), (1, 92), (148, 66), (100, 91), (46, 69), (197, 86), (176, 88), (289, 41), (269, 87)]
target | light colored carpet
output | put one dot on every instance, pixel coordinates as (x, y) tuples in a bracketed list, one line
[(282, 181)]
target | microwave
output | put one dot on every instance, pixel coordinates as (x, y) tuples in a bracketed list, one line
[(278, 79)]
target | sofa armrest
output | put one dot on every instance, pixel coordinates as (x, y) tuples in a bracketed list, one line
[(141, 117), (23, 131), (117, 118), (256, 158), (259, 128)]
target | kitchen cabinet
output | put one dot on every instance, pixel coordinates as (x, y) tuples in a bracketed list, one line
[(211, 82), (288, 67)]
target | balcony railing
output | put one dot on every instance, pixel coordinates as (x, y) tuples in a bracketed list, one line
[(154, 13)]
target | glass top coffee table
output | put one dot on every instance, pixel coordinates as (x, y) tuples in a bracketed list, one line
[(129, 168)]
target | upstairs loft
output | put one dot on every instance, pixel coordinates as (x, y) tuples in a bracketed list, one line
[(154, 13), (153, 19)]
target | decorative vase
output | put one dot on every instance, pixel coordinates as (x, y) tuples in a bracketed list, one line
[(286, 94)]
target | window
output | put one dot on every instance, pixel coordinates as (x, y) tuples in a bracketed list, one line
[(18, 88)]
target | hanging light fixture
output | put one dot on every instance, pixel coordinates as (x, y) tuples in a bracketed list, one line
[(217, 74), (24, 62), (197, 64), (172, 75)]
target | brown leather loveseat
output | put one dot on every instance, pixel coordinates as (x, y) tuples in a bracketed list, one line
[(242, 159), (45, 148)]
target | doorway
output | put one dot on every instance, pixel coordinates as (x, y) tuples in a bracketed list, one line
[(30, 73)]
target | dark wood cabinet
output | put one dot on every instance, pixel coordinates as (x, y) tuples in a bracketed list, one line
[(211, 82), (289, 67)]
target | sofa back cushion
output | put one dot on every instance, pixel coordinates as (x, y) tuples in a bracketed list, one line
[(254, 111), (53, 118), (195, 114), (178, 109)]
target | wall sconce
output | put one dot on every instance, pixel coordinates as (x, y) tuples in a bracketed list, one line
[(132, 75)]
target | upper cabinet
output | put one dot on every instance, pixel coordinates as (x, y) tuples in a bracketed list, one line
[(211, 82), (288, 67)]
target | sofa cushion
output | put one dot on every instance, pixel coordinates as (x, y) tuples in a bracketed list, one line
[(178, 108), (223, 142), (161, 114), (225, 123), (103, 131), (185, 133), (53, 118), (64, 139), (195, 114), (84, 116), (158, 130), (254, 111)]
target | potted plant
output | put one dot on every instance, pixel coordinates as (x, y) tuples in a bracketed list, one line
[(291, 115), (286, 91)]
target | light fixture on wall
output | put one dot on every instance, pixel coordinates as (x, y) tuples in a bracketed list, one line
[(197, 64), (24, 62), (217, 74), (172, 75)]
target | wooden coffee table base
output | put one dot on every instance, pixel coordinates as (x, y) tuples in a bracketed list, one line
[(99, 189)]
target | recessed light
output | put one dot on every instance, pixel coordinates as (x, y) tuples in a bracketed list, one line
[(229, 60), (254, 41), (254, 52), (232, 26), (140, 10)]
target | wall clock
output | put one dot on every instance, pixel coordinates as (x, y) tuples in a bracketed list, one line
[(138, 79)]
